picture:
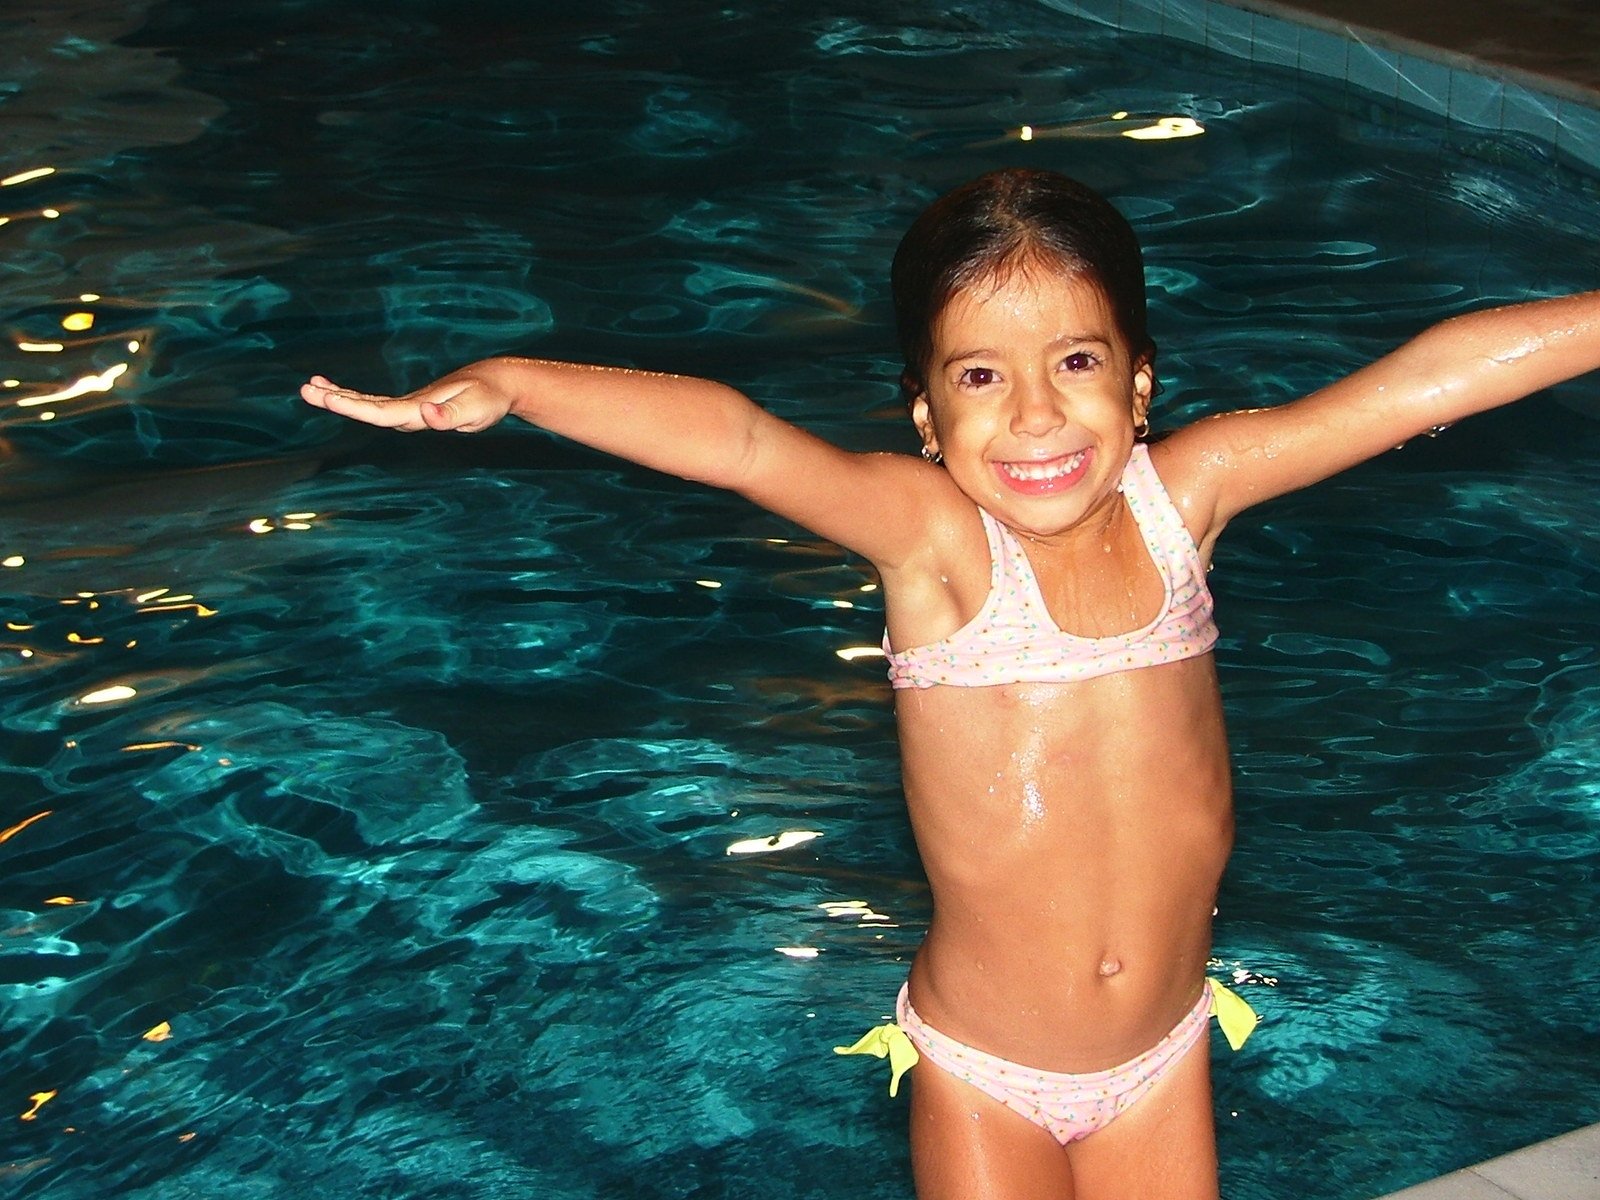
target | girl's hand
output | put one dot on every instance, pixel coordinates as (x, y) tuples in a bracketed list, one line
[(466, 405)]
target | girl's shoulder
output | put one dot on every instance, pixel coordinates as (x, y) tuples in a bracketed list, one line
[(1185, 462), (1176, 458), (946, 581)]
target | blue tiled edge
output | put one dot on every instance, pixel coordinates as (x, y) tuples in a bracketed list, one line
[(1530, 113), (1373, 69), (1458, 89), (1323, 52), (1230, 30), (1577, 128), (1139, 16), (1426, 83), (1275, 46), (1477, 100), (1185, 21)]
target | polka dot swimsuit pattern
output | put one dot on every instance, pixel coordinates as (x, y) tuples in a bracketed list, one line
[(1013, 638), (1067, 1106)]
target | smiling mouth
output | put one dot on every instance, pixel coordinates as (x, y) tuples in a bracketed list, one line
[(1043, 472)]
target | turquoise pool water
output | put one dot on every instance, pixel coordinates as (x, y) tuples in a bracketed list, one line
[(368, 801)]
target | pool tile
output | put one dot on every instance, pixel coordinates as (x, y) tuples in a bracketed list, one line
[(1476, 99), (1140, 16), (1275, 41), (1186, 20), (1424, 83), (1529, 112), (1373, 68), (1578, 131), (1099, 13), (1324, 53), (1228, 30)]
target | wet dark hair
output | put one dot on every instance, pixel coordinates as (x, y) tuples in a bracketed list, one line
[(1013, 218)]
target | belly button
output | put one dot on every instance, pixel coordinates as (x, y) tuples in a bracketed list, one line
[(1109, 966)]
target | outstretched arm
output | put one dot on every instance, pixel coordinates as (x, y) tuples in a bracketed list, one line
[(689, 427), (693, 428), (1221, 465)]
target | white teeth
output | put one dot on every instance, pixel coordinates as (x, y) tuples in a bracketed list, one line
[(1037, 471)]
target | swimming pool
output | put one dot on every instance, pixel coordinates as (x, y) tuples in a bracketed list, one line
[(370, 800)]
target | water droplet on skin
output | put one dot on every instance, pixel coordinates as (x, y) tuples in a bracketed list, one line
[(1032, 801), (1531, 346)]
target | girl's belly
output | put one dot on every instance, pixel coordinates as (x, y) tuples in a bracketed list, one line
[(1074, 857)]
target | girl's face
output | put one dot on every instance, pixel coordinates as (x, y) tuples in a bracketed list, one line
[(1032, 399)]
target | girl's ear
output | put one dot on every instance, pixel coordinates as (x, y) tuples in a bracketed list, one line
[(1144, 386), (922, 418)]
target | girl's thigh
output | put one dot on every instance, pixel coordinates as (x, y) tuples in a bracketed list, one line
[(1164, 1145), (967, 1146)]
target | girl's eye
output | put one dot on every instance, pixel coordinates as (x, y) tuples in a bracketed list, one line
[(1082, 360), (977, 377)]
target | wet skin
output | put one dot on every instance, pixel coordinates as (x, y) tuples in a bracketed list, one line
[(1073, 844)]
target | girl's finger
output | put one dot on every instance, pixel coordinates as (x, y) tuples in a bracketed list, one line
[(441, 415), (323, 386)]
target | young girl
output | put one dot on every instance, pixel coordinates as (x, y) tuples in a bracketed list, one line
[(1049, 639)]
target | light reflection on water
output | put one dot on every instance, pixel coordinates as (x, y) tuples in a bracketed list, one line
[(396, 780)]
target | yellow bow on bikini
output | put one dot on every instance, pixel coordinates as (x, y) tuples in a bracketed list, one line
[(1237, 1019), (887, 1041)]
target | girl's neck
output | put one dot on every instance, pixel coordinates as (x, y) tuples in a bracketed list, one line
[(1097, 531)]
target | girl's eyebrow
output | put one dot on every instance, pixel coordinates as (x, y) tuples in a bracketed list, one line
[(960, 354), (1065, 339)]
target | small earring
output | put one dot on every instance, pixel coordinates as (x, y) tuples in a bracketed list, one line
[(932, 455), (1141, 431)]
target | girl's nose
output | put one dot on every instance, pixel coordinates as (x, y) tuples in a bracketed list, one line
[(1037, 410)]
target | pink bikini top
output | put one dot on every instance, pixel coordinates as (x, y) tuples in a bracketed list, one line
[(1013, 638)]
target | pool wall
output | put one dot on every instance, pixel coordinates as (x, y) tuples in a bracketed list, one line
[(1561, 117)]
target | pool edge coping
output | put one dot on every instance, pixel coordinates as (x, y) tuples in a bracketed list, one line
[(1565, 1167)]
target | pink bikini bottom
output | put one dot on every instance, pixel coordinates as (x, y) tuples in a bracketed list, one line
[(1068, 1107)]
